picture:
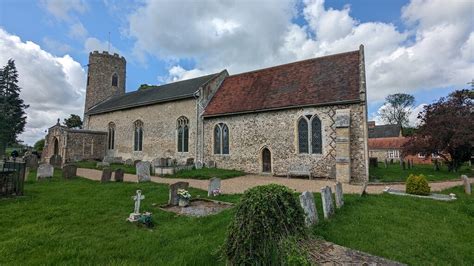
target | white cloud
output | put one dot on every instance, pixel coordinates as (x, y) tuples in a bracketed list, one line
[(413, 120), (78, 31), (93, 44), (58, 47), (177, 72), (62, 9), (54, 87)]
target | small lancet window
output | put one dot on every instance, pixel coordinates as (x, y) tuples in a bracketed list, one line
[(115, 80), (138, 136), (111, 136), (183, 134)]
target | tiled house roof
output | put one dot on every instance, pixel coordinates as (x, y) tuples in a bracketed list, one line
[(385, 131), (387, 143), (320, 81), (152, 94)]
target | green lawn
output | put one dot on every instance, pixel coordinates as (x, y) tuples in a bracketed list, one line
[(82, 222), (394, 173), (206, 173), (114, 166)]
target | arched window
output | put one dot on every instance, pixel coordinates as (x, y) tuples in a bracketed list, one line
[(309, 135), (115, 80), (221, 139), (56, 146), (183, 134), (111, 135), (138, 136)]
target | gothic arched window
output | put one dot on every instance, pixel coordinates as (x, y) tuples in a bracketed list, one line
[(138, 136), (183, 134), (111, 136), (221, 139), (310, 135), (115, 80)]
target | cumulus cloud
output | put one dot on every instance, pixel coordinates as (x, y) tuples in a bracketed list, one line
[(62, 9), (93, 44), (435, 50), (54, 87), (58, 47), (78, 31)]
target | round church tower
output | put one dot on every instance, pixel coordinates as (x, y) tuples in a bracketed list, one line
[(105, 77)]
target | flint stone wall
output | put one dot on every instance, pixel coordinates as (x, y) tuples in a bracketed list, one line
[(277, 130)]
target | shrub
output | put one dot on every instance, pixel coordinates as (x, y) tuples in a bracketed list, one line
[(265, 218), (417, 184)]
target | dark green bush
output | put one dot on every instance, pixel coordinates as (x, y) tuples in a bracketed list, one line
[(265, 218), (417, 184)]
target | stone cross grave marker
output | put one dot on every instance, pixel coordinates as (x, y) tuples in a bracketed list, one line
[(106, 175), (328, 205), (135, 215), (467, 184), (339, 195), (173, 196), (118, 176), (143, 171), (309, 208), (69, 171), (44, 171), (214, 184)]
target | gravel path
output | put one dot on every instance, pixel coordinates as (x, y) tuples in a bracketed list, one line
[(240, 184)]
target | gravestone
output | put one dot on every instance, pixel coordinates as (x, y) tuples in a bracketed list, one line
[(309, 208), (56, 160), (69, 171), (211, 164), (385, 163), (467, 184), (118, 175), (102, 164), (373, 162), (44, 171), (173, 194), (129, 162), (143, 171), (328, 205), (214, 184), (106, 175), (363, 189), (198, 165), (135, 162), (135, 215), (156, 162), (27, 172), (190, 161), (339, 195), (163, 162), (31, 161), (403, 165)]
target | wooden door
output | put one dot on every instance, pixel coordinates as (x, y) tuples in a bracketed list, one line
[(266, 161)]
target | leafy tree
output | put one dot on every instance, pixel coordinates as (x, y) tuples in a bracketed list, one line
[(74, 121), (143, 87), (398, 108), (447, 129), (12, 107), (39, 145)]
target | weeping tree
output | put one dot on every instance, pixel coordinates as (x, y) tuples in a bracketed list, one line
[(12, 107), (446, 129)]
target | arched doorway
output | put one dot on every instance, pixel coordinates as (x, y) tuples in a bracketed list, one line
[(266, 161), (56, 146)]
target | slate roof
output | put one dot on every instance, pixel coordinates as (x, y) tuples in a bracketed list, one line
[(387, 143), (325, 80), (384, 131), (153, 94)]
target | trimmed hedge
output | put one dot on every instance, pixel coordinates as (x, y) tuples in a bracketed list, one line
[(265, 219), (417, 184)]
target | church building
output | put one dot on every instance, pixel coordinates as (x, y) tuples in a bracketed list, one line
[(310, 113)]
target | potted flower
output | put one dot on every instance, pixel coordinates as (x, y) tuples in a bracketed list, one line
[(216, 192), (184, 197)]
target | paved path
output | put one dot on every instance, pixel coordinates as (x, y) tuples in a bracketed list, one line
[(240, 184)]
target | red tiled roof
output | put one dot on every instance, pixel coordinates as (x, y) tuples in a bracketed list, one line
[(317, 81), (387, 143)]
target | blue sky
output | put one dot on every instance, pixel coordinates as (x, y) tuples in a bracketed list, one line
[(418, 47)]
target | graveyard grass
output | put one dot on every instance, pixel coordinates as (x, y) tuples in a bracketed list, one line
[(206, 173), (82, 221), (394, 172), (114, 166)]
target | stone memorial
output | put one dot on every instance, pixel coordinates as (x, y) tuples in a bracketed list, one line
[(309, 208), (106, 175), (328, 205), (31, 161), (56, 160), (135, 215), (173, 192), (44, 171), (467, 184), (385, 163), (69, 171), (339, 195), (118, 175), (143, 171), (198, 165), (128, 162), (214, 187), (102, 164)]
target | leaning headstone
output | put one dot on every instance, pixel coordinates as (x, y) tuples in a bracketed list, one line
[(129, 162), (118, 176), (173, 195), (309, 208), (363, 191), (339, 195), (467, 184), (44, 171), (328, 205), (69, 171), (214, 187), (106, 175), (31, 161), (143, 171)]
